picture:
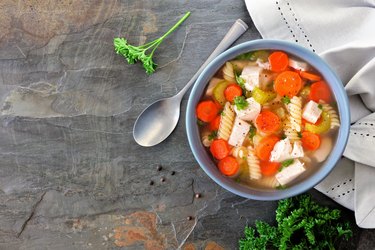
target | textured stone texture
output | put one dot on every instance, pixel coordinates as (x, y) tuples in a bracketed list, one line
[(71, 175)]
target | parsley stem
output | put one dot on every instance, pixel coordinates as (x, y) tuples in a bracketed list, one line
[(176, 25)]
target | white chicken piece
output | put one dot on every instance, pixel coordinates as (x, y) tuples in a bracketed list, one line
[(298, 65), (297, 151), (283, 150), (264, 65), (251, 75), (290, 173), (311, 112), (239, 132), (250, 112)]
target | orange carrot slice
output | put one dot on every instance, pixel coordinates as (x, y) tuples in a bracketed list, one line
[(310, 76), (265, 146), (310, 141), (269, 168), (320, 91), (288, 83), (220, 149), (268, 122), (233, 90), (215, 123), (279, 61), (228, 166), (207, 111)]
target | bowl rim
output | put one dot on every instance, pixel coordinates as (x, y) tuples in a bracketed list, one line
[(200, 153)]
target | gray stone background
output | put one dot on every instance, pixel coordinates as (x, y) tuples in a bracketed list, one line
[(71, 175)]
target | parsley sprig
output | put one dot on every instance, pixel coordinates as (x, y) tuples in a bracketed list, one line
[(240, 102), (301, 224), (139, 53)]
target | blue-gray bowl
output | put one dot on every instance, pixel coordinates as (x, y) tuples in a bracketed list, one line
[(205, 160)]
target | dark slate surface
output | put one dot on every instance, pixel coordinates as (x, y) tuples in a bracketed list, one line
[(71, 175)]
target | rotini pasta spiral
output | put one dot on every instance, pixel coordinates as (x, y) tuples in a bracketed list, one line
[(335, 122), (270, 182), (295, 111), (239, 152), (253, 164), (228, 72), (290, 132), (206, 141), (226, 122)]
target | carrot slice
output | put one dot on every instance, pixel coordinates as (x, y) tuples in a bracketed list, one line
[(279, 61), (268, 122), (310, 76), (220, 149), (228, 166), (269, 168), (265, 146), (320, 91), (233, 90), (288, 83), (207, 111), (215, 123), (310, 141)]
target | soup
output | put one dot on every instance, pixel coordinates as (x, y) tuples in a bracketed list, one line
[(268, 119)]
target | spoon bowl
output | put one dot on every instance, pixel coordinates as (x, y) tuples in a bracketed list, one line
[(159, 119)]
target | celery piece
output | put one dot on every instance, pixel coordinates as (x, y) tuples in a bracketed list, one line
[(322, 127), (218, 92), (305, 92), (262, 96)]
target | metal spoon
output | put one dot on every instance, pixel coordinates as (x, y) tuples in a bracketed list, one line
[(157, 121)]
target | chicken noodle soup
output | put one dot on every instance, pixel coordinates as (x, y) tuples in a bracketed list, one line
[(268, 119)]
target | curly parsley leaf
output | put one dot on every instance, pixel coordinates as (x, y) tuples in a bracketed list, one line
[(240, 102), (139, 53), (240, 81), (213, 135), (252, 131), (301, 224), (285, 100)]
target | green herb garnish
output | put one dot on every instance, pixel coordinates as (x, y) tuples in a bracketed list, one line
[(240, 102), (299, 134), (285, 100), (283, 136), (252, 131), (281, 187), (320, 106), (246, 56), (138, 53), (286, 163), (301, 224), (200, 122), (240, 81), (213, 135)]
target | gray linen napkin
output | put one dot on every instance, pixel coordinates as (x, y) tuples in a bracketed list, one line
[(343, 33)]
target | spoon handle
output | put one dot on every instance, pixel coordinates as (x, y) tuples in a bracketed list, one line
[(237, 29)]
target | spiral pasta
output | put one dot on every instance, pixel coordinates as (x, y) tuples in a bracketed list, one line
[(295, 111), (206, 141), (335, 122), (270, 182), (289, 131), (253, 164), (226, 122), (228, 72), (239, 152)]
